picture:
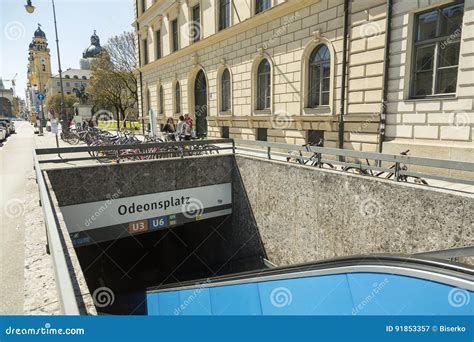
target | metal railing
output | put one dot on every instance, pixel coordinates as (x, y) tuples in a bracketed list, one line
[(152, 150), (62, 274), (452, 253), (340, 155)]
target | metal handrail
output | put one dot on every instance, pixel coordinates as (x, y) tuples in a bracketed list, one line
[(451, 253), (43, 151), (64, 284), (397, 159)]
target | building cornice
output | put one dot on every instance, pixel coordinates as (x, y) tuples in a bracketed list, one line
[(250, 23), (154, 9)]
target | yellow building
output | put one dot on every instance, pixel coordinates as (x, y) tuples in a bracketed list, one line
[(39, 67)]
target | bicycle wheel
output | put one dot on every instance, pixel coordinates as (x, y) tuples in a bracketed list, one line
[(414, 180), (355, 170)]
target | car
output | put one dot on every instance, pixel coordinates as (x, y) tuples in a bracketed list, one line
[(7, 125), (3, 132), (10, 122)]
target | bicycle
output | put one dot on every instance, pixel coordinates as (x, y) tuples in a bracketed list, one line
[(314, 160), (390, 175)]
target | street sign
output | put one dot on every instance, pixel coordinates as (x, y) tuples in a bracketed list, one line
[(40, 97), (145, 213)]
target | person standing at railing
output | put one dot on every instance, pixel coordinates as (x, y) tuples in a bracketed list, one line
[(181, 128), (169, 130), (188, 127)]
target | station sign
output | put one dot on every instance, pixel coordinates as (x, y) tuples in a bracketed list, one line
[(121, 217)]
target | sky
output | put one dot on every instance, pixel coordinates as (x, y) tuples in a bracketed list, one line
[(76, 19)]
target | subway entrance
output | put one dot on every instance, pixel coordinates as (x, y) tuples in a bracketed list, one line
[(159, 228)]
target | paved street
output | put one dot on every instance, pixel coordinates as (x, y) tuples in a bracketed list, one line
[(15, 165)]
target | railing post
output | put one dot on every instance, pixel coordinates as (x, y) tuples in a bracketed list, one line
[(233, 146), (397, 172), (318, 156), (269, 153)]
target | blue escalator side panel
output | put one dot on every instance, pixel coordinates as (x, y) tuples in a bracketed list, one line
[(324, 295), (152, 300), (195, 302), (339, 294), (236, 300), (386, 294), (167, 303)]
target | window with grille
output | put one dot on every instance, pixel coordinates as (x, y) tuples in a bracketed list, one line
[(262, 5), (263, 85), (319, 77), (437, 41), (174, 35), (225, 88), (224, 14)]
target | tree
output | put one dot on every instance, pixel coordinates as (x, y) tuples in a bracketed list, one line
[(113, 82), (53, 102)]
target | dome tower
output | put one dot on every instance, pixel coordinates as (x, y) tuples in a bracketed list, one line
[(91, 52)]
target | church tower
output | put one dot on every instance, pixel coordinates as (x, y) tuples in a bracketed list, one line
[(39, 61), (91, 52)]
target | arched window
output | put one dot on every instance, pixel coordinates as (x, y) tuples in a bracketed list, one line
[(162, 101), (225, 91), (263, 85), (319, 77), (177, 98)]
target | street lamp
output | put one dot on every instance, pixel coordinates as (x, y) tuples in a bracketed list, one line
[(30, 9)]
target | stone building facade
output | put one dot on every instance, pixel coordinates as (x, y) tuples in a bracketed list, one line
[(436, 124), (273, 70)]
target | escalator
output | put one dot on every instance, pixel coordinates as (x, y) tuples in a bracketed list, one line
[(362, 285)]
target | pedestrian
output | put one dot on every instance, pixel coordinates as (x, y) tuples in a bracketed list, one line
[(169, 129), (189, 127), (181, 128), (91, 123)]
